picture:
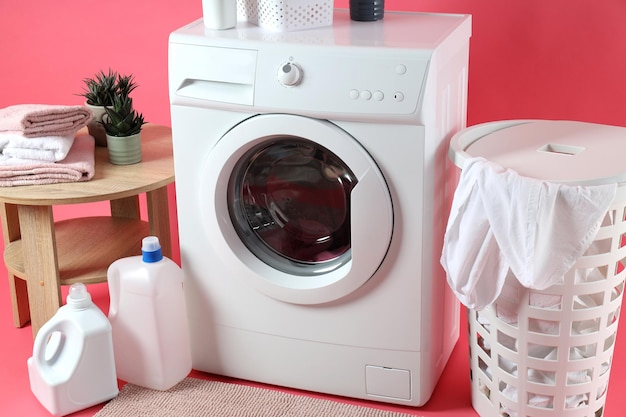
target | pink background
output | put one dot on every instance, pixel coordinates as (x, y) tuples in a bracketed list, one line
[(548, 59)]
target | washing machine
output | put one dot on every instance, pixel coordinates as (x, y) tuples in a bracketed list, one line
[(312, 191)]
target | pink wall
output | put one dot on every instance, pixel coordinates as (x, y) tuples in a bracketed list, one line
[(529, 59)]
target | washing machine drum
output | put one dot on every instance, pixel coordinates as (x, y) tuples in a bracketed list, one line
[(307, 201)]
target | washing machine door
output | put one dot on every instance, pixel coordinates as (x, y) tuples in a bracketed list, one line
[(305, 213)]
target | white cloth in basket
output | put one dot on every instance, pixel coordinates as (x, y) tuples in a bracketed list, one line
[(500, 220)]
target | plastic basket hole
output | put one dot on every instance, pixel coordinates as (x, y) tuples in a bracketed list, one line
[(576, 401), (610, 218), (609, 342), (508, 390), (484, 389), (613, 317), (585, 326), (602, 389), (507, 365), (545, 301), (541, 376), (605, 367), (622, 240), (617, 292), (586, 301), (540, 400), (484, 368), (507, 341), (582, 376), (483, 344), (547, 353), (586, 275), (619, 266), (541, 326), (598, 247), (599, 412), (577, 353)]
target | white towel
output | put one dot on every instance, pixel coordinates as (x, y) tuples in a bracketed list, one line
[(42, 148), (501, 220), (79, 165)]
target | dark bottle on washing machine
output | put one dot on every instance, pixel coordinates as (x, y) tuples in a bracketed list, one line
[(367, 10)]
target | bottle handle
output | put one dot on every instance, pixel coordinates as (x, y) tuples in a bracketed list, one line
[(113, 280), (49, 337)]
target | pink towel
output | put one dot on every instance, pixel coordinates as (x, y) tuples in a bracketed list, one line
[(79, 165), (44, 119)]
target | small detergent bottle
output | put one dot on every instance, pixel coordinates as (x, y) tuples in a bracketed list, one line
[(72, 367), (149, 319)]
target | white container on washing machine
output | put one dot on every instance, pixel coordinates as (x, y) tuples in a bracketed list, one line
[(312, 191)]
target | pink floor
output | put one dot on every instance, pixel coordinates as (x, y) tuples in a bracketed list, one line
[(450, 399)]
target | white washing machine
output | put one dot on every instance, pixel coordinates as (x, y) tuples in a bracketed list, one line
[(312, 189)]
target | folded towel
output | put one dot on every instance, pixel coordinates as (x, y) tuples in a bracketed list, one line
[(501, 221), (79, 165), (44, 119), (42, 148)]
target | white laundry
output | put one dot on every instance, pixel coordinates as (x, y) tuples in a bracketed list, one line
[(14, 146), (501, 221)]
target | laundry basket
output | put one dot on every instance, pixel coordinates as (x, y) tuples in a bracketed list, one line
[(549, 353)]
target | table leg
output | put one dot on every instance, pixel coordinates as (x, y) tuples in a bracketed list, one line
[(159, 218), (40, 263), (127, 208), (17, 286)]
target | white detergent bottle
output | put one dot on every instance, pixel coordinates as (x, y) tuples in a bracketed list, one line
[(149, 319), (72, 367)]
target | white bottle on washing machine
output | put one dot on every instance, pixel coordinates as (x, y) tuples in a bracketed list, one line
[(149, 319)]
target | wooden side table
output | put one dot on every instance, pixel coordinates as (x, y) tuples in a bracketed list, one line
[(41, 255)]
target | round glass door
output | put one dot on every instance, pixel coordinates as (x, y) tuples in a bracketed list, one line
[(289, 200), (299, 208)]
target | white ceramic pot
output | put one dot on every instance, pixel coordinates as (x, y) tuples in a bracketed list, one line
[(124, 150), (95, 127)]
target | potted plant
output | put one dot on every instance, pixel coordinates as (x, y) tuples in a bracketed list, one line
[(99, 93), (122, 124)]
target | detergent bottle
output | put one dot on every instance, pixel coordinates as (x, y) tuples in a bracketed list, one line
[(149, 319), (72, 367)]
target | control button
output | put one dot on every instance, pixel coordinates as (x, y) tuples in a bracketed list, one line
[(398, 96), (400, 69), (289, 74), (378, 95), (354, 94), (366, 94)]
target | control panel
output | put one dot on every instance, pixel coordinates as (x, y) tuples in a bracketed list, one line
[(340, 83)]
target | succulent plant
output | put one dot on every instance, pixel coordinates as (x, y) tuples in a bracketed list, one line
[(121, 119), (104, 87)]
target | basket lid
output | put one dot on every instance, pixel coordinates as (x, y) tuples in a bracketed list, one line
[(577, 153)]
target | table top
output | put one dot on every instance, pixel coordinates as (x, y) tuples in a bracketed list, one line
[(110, 182)]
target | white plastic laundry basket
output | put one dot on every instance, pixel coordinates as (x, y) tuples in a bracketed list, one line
[(286, 15), (549, 353)]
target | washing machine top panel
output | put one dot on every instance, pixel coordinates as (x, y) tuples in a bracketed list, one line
[(366, 71), (402, 30)]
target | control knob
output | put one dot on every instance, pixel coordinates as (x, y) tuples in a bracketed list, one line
[(289, 74)]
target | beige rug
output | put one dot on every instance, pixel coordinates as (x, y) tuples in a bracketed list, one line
[(200, 398)]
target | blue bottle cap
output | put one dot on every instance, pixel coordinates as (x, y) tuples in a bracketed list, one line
[(151, 249)]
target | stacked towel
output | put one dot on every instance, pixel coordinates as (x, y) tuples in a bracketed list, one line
[(78, 165), (34, 120), (38, 144), (44, 148)]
